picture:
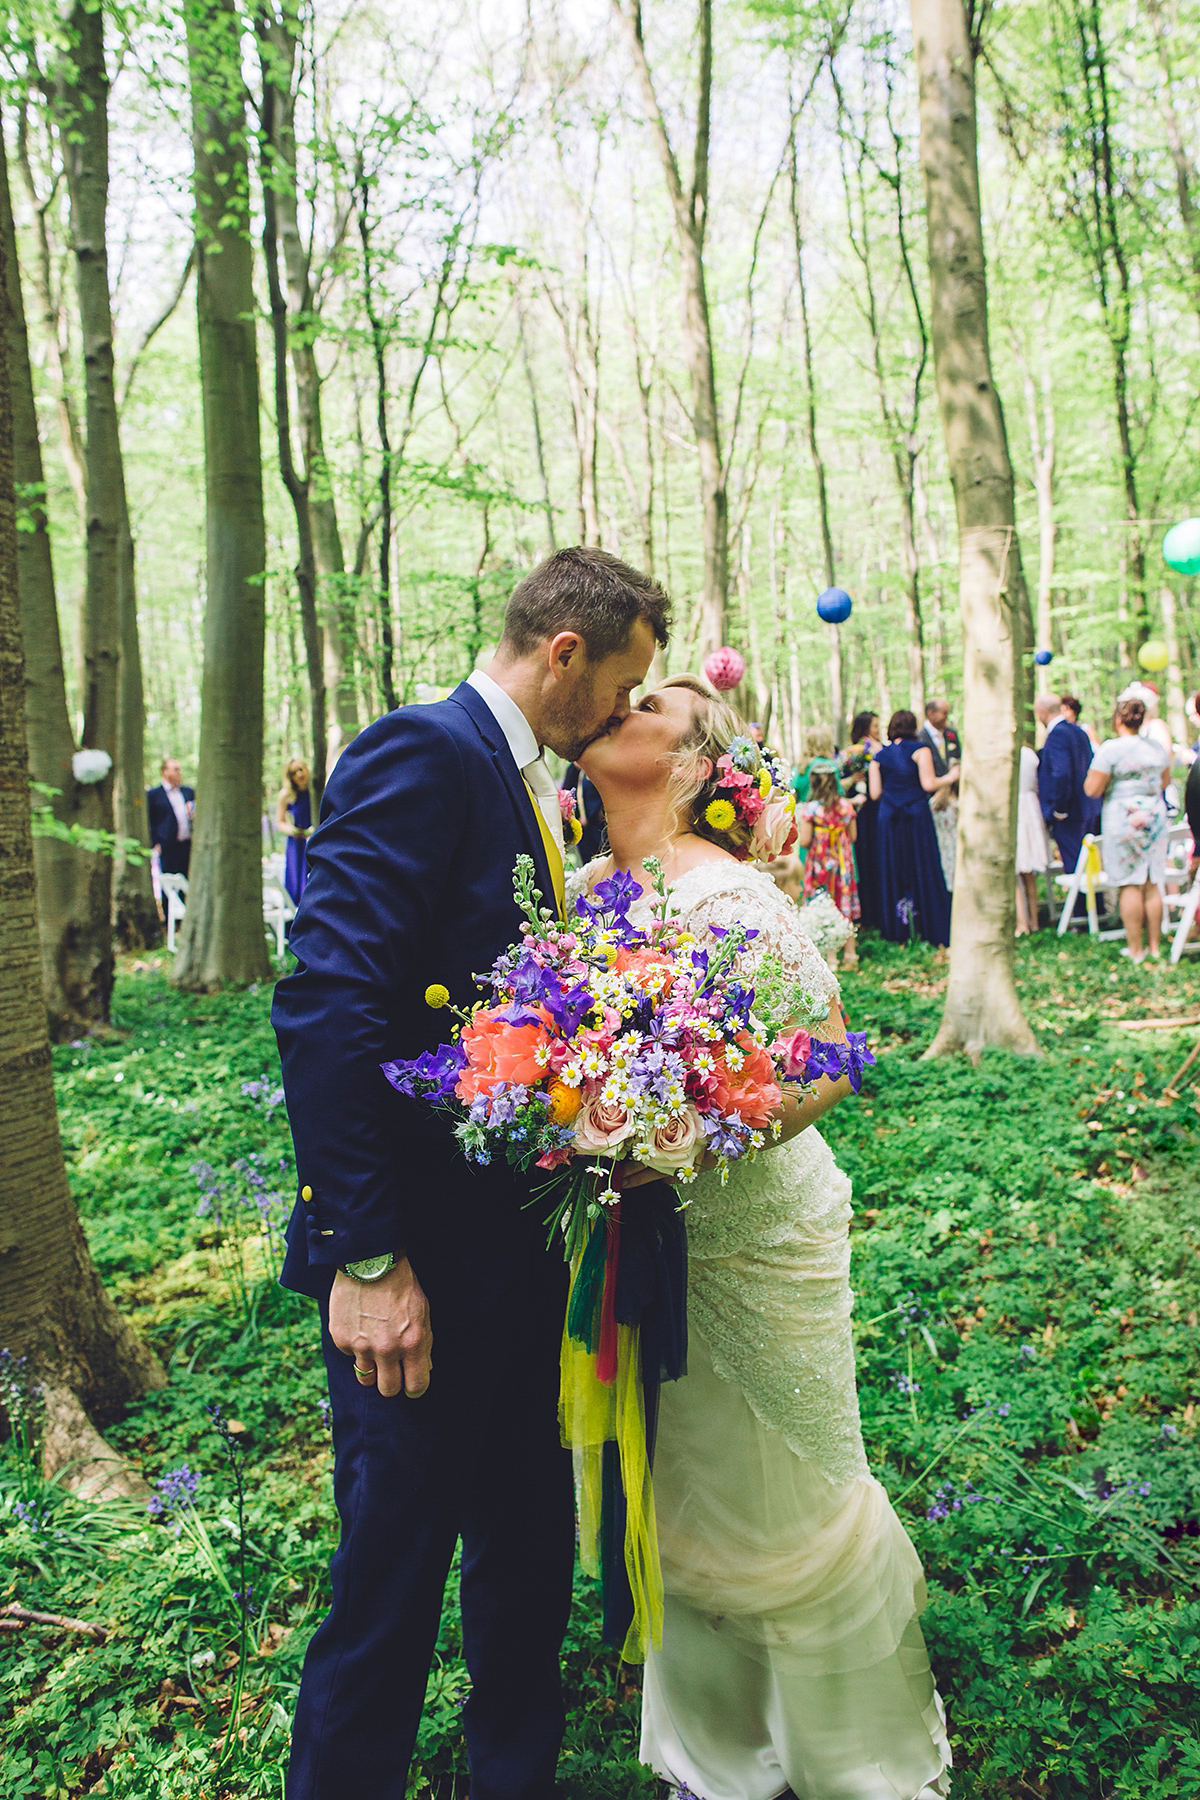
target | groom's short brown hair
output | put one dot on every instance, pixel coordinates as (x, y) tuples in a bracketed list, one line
[(586, 590)]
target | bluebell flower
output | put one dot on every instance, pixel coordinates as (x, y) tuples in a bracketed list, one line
[(177, 1489)]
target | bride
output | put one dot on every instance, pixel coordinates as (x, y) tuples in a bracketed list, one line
[(792, 1661)]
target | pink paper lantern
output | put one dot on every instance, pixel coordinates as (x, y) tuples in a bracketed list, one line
[(725, 669)]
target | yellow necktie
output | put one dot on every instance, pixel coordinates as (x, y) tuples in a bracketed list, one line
[(554, 855)]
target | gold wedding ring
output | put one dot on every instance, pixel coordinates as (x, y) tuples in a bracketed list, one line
[(364, 1375)]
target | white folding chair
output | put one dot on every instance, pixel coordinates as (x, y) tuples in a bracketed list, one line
[(1091, 885), (1189, 907), (174, 888), (278, 912)]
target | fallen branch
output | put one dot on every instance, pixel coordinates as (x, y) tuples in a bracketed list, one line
[(1157, 1024), (1170, 1091), (24, 1615)]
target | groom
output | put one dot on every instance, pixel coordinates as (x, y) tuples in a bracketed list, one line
[(441, 1305)]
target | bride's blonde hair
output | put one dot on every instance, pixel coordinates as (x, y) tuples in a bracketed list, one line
[(692, 785)]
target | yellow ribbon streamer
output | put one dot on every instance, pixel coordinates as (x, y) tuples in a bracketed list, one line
[(592, 1414)]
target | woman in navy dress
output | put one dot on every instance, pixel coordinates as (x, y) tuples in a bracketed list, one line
[(866, 740), (293, 816), (912, 889)]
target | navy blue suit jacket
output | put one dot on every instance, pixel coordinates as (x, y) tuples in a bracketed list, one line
[(410, 882), (160, 814), (1065, 760)]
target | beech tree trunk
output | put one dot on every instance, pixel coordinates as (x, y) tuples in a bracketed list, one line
[(981, 999), (222, 936), (690, 209), (134, 913), (53, 1307), (73, 914)]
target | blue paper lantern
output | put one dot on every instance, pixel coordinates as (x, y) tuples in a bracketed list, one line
[(834, 606), (1181, 547), (1042, 657)]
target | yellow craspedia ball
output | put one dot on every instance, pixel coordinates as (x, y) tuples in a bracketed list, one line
[(565, 1102), (576, 830), (765, 782), (720, 814), (437, 996)]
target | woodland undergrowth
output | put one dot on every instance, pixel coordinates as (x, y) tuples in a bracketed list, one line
[(1027, 1271)]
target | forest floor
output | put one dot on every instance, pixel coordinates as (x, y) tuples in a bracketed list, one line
[(1027, 1269)]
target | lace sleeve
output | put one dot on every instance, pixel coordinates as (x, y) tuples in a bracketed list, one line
[(578, 879), (714, 895)]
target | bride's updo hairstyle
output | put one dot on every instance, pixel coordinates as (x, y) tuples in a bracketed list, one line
[(723, 786)]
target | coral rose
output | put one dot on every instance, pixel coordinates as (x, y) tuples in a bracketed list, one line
[(752, 1092), (497, 1051), (601, 1126)]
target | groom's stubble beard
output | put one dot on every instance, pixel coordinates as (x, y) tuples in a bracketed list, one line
[(570, 725)]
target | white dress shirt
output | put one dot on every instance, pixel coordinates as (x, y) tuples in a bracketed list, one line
[(183, 825), (526, 751)]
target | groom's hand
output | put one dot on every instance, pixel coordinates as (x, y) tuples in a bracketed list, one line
[(384, 1325)]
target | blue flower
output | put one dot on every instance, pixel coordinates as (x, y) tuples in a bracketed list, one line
[(177, 1489), (858, 1058)]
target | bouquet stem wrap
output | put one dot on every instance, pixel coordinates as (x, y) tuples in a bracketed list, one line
[(625, 1332)]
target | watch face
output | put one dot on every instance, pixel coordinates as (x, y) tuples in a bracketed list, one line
[(371, 1267)]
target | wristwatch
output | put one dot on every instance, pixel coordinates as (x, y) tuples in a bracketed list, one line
[(371, 1268)]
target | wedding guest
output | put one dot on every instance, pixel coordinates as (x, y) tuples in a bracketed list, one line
[(818, 747), (1154, 728), (1191, 806), (589, 810), (942, 740), (827, 828), (293, 816), (1131, 772), (1072, 708), (1065, 760), (866, 738), (913, 893), (1031, 843), (170, 809)]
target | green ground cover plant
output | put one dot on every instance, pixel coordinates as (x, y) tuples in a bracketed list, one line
[(1027, 1270)]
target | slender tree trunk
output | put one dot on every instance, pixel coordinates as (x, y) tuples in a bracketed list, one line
[(1176, 715), (335, 594), (82, 106), (981, 1000), (135, 914), (690, 210), (1041, 450), (297, 485), (538, 444), (53, 1308), (222, 938), (1185, 169), (387, 674), (73, 921)]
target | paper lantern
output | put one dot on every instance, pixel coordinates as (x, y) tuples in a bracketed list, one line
[(90, 766), (834, 606), (1042, 657), (1154, 655), (725, 668), (1181, 547)]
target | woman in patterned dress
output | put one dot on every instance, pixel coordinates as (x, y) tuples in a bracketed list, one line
[(792, 1660)]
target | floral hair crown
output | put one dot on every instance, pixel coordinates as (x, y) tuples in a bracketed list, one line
[(752, 790)]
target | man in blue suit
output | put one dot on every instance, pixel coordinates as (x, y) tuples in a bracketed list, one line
[(1065, 760), (418, 1261)]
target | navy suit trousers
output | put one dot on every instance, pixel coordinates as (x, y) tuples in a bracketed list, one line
[(478, 1456)]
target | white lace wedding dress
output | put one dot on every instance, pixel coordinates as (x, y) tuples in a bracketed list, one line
[(792, 1657)]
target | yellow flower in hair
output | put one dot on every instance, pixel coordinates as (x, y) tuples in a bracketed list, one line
[(437, 996), (720, 814), (764, 781)]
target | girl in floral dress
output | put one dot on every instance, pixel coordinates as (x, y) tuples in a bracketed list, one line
[(828, 829)]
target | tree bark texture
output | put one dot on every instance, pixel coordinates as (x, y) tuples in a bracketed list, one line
[(690, 210), (276, 128), (222, 938), (981, 999), (73, 917), (134, 913), (53, 1307)]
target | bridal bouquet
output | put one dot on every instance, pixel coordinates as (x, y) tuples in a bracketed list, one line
[(604, 1041)]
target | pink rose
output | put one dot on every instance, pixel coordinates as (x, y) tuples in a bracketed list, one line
[(677, 1144), (601, 1126), (773, 829), (793, 1051)]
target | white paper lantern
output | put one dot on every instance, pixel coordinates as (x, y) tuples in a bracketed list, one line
[(90, 766)]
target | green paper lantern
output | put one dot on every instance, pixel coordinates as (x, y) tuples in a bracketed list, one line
[(1181, 547)]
